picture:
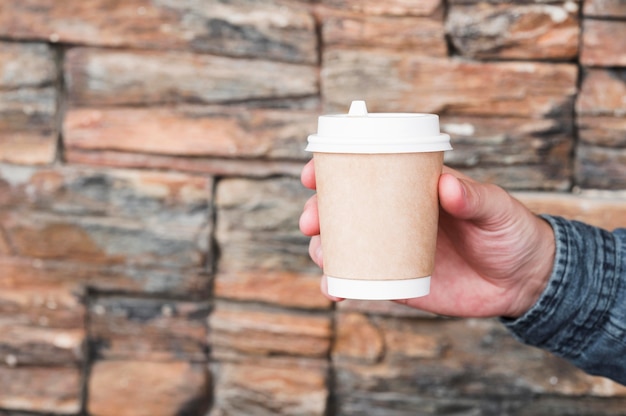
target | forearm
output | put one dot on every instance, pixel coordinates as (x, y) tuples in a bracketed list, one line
[(581, 315)]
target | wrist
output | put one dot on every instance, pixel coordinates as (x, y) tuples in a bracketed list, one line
[(537, 268)]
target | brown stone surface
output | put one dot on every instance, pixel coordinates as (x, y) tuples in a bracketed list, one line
[(602, 92), (456, 87), (515, 31), (266, 389), (26, 64), (604, 8), (138, 388), (192, 131), (600, 167), (606, 211), (602, 131), (465, 358), (103, 77), (486, 141), (40, 324), (211, 166), (598, 45), (419, 35), (237, 329), (131, 218), (264, 28), (388, 8), (148, 329), (37, 274), (52, 390), (258, 223)]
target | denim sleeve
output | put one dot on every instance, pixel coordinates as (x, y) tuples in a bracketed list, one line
[(581, 315)]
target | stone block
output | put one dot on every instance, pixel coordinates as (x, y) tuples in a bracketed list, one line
[(40, 324), (602, 93), (130, 194), (414, 34), (35, 274), (28, 132), (26, 65), (263, 255), (114, 217), (605, 211), (49, 389), (604, 8), (117, 77), (391, 81), (266, 389), (524, 177), (515, 31), (254, 168), (104, 240), (142, 388), (459, 360), (600, 46), (192, 131), (388, 8), (264, 29), (126, 328), (602, 131), (600, 167), (27, 103), (486, 142), (243, 330)]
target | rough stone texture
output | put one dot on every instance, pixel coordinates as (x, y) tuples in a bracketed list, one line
[(257, 224), (388, 8), (265, 389), (604, 8), (446, 86), (192, 131), (49, 389), (137, 388), (601, 154), (544, 145), (27, 103), (236, 329), (604, 211), (417, 34), (116, 77), (515, 31), (446, 354), (597, 47), (149, 199), (148, 329), (265, 28)]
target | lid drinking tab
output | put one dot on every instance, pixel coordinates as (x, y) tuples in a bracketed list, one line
[(358, 108)]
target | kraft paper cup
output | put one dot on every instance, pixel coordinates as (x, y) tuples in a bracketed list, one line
[(377, 176)]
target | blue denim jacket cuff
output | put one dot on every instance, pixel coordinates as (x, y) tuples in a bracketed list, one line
[(580, 292)]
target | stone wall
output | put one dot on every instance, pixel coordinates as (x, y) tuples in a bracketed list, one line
[(150, 260)]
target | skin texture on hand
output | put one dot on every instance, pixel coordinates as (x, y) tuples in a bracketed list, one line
[(494, 257)]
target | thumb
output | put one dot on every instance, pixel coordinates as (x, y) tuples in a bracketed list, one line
[(466, 199)]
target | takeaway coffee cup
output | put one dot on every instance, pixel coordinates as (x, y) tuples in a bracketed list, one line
[(377, 176)]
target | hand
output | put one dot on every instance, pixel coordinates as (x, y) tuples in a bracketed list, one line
[(494, 257)]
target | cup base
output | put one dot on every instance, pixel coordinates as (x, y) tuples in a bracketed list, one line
[(378, 289)]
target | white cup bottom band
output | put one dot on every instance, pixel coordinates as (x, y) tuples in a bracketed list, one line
[(378, 289)]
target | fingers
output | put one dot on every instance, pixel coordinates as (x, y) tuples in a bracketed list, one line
[(308, 175), (315, 250), (309, 219)]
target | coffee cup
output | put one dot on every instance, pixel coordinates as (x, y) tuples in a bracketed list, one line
[(377, 176)]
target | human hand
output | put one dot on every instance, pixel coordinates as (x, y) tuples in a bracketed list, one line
[(494, 257)]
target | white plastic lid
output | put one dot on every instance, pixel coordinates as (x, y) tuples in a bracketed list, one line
[(363, 132)]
